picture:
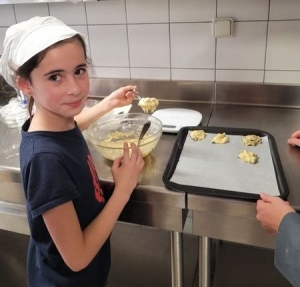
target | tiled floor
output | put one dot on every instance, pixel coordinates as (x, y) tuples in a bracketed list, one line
[(141, 258), (246, 266)]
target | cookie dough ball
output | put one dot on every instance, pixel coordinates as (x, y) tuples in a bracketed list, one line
[(148, 104), (248, 156), (197, 135), (251, 140), (220, 139)]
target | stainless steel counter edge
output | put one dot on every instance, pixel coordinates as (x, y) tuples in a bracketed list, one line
[(13, 217), (235, 220)]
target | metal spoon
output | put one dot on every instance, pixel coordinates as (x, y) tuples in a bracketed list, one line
[(143, 132), (136, 94)]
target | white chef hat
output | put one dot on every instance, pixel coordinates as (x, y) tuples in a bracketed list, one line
[(26, 39)]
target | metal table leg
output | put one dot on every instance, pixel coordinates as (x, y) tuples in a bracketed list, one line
[(204, 261), (176, 259)]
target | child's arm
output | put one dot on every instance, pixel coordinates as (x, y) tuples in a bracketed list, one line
[(78, 247), (118, 98)]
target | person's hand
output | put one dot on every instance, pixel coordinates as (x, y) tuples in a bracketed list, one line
[(270, 211), (121, 97), (295, 139), (126, 169)]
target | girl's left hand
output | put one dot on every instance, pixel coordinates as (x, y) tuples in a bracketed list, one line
[(121, 97)]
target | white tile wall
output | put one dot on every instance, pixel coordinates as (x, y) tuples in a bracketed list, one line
[(284, 10), (154, 11), (193, 74), (109, 72), (7, 16), (243, 10), (246, 76), (149, 45), (109, 46), (70, 13), (281, 56), (246, 49), (192, 45), (27, 11), (172, 39), (192, 10), (106, 12), (150, 73), (286, 77)]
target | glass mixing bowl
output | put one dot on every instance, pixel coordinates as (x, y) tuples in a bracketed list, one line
[(109, 133)]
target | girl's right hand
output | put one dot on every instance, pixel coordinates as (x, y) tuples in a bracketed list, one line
[(126, 169), (120, 97)]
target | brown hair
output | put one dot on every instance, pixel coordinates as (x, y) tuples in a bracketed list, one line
[(25, 70)]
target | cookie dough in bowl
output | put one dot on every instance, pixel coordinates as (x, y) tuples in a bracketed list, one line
[(109, 133)]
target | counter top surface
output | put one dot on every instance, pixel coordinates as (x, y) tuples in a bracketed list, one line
[(278, 121), (155, 162)]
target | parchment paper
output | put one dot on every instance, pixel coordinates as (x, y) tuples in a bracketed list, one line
[(209, 165)]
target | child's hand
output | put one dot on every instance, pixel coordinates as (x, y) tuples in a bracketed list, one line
[(126, 169), (121, 97)]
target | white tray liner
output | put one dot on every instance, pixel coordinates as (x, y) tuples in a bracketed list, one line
[(217, 166)]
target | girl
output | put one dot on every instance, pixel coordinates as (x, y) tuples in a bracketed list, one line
[(70, 221)]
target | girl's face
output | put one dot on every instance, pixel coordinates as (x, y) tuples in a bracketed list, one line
[(60, 83)]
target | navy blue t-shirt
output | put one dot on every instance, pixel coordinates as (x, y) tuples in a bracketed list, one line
[(56, 167)]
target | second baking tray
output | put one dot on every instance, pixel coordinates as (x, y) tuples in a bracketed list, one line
[(204, 168)]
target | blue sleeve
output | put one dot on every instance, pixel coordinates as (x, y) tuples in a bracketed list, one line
[(287, 248), (49, 183)]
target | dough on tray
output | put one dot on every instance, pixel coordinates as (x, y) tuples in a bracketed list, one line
[(197, 135), (148, 104), (251, 140), (248, 156), (220, 139)]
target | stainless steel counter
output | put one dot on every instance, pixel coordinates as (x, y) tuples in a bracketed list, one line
[(151, 204), (274, 109), (234, 220)]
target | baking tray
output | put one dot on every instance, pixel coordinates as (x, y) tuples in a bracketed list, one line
[(193, 168)]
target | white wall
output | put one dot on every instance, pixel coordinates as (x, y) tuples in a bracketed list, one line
[(172, 39)]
